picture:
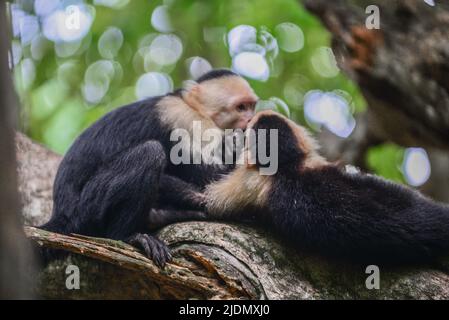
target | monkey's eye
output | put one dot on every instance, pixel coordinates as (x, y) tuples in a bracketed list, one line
[(241, 107)]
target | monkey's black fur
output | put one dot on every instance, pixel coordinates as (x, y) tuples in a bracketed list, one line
[(354, 216), (117, 171), (214, 74)]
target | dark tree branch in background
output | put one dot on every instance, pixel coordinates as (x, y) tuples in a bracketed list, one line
[(353, 149), (402, 68), (15, 255)]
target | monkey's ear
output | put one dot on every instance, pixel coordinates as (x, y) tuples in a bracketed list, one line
[(189, 84), (192, 94)]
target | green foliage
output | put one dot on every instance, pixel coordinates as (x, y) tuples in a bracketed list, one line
[(385, 160), (56, 111)]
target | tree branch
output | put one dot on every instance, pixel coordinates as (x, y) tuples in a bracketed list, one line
[(401, 68)]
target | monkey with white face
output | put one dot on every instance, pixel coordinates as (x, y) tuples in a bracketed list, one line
[(117, 171)]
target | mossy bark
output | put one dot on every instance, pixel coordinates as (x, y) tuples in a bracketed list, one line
[(222, 261)]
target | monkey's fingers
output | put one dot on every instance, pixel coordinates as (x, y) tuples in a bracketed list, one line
[(160, 251), (154, 249)]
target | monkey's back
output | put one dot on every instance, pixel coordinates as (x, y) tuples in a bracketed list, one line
[(114, 133), (359, 216)]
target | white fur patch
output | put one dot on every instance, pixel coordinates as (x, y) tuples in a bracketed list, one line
[(241, 188), (350, 169), (177, 114)]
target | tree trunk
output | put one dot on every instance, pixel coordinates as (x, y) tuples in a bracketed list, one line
[(15, 266), (211, 260), (402, 68)]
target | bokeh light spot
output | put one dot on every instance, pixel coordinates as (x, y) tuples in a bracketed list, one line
[(45, 7), (67, 49), (153, 84), (110, 42), (29, 28), (330, 110), (239, 37), (416, 166), (16, 48), (71, 24), (252, 65), (275, 104), (114, 4), (160, 19), (27, 74), (165, 49), (197, 66), (290, 37), (324, 63), (97, 79)]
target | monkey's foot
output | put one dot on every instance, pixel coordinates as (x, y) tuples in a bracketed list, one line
[(154, 248)]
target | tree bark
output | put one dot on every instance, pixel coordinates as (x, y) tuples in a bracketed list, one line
[(211, 260), (15, 257)]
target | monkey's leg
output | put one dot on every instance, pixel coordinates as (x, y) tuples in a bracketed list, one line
[(116, 201), (184, 201), (177, 193), (158, 218)]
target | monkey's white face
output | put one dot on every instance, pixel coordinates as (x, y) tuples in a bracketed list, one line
[(228, 101)]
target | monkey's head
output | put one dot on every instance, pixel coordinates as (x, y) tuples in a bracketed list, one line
[(223, 96), (247, 187), (295, 146)]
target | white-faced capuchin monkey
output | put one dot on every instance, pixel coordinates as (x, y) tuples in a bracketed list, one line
[(118, 170), (319, 206)]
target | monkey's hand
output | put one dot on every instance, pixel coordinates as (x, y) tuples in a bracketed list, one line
[(154, 248)]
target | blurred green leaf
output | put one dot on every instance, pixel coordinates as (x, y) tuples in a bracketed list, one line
[(385, 160)]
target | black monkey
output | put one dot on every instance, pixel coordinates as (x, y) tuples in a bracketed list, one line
[(319, 206), (119, 169)]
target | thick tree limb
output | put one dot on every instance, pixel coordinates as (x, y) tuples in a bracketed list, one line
[(37, 169), (211, 261), (16, 261)]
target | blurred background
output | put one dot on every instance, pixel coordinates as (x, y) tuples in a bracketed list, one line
[(74, 61)]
